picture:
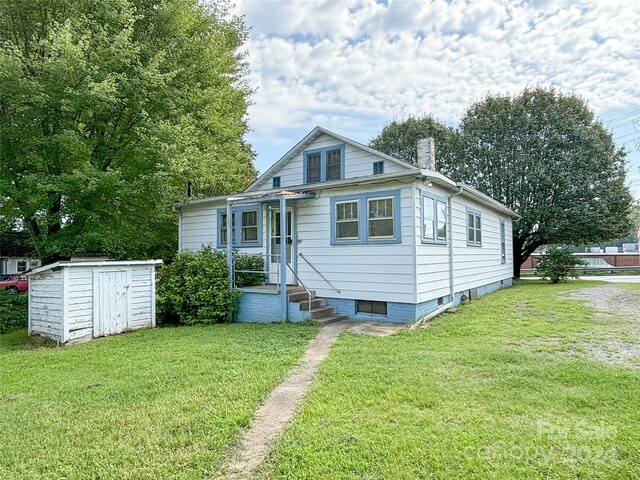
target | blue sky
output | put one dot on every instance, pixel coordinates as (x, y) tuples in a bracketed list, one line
[(353, 65)]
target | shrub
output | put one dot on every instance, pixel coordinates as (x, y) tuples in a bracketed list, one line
[(194, 289), (249, 262), (14, 311), (558, 264)]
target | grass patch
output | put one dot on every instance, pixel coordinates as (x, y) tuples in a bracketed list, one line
[(471, 396), (160, 403)]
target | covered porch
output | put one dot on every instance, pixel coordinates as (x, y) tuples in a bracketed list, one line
[(271, 300)]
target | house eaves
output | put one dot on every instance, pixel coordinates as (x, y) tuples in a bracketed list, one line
[(426, 175)]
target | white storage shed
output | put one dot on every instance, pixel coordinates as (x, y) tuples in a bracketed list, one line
[(78, 300)]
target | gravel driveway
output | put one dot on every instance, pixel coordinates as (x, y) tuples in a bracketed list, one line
[(614, 304)]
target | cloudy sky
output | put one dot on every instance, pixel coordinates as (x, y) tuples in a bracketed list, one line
[(353, 65)]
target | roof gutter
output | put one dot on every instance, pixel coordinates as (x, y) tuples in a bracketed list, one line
[(301, 189)]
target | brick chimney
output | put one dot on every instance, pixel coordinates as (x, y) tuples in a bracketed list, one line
[(427, 154)]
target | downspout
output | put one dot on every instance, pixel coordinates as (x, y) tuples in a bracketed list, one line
[(452, 298), (452, 301)]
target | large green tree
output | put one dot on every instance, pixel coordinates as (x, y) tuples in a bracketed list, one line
[(107, 109), (545, 155), (399, 139)]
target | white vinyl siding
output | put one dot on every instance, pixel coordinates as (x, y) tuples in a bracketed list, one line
[(409, 271), (371, 271), (197, 227), (473, 266), (357, 163)]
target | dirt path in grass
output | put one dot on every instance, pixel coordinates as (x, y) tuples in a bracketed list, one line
[(281, 404)]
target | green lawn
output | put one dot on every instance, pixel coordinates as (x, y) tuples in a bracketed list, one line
[(506, 387), (162, 403)]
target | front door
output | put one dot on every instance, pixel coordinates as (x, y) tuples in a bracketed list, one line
[(275, 244)]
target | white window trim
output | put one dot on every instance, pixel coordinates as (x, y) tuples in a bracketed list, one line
[(356, 220), (503, 242), (392, 218), (476, 214), (435, 199)]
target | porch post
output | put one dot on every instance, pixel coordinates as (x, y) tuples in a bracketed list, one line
[(229, 243), (283, 256)]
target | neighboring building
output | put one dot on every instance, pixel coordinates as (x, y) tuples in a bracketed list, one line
[(595, 260), (371, 236), (16, 256)]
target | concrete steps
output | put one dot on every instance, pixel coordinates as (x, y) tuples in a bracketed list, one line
[(320, 311)]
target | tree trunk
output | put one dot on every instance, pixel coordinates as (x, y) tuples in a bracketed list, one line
[(517, 257), (517, 263)]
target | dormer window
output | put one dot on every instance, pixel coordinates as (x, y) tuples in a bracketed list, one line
[(324, 164)]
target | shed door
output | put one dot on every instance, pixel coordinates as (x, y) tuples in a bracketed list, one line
[(111, 302)]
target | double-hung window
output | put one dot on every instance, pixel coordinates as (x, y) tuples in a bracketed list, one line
[(246, 226), (347, 224), (314, 167), (250, 226), (333, 167), (223, 228), (324, 164), (380, 218), (474, 227), (371, 217), (434, 219), (503, 243)]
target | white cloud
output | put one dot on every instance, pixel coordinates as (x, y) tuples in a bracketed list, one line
[(353, 65)]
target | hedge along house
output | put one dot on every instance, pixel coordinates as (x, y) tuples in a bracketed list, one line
[(366, 235)]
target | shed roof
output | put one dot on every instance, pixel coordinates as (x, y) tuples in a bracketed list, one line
[(101, 263)]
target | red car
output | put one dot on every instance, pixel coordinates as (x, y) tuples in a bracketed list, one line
[(14, 282)]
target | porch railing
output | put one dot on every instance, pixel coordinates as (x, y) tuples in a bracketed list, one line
[(318, 272), (264, 272)]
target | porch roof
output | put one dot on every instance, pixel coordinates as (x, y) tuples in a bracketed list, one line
[(268, 197)]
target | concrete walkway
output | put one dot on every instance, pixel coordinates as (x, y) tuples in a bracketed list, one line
[(281, 404)]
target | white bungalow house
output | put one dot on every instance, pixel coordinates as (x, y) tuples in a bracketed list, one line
[(367, 235)]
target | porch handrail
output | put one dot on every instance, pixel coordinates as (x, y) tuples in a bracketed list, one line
[(295, 275), (265, 272), (321, 275)]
